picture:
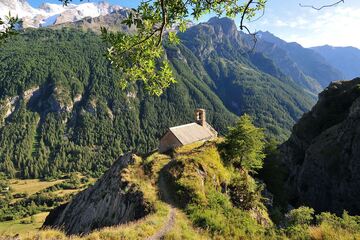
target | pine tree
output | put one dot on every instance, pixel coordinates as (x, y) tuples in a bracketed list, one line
[(8, 167)]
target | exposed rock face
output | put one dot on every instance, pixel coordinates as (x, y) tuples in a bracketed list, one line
[(49, 98), (323, 152), (32, 92), (7, 107), (111, 201), (113, 21)]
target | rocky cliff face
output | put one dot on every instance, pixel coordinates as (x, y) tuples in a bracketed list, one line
[(323, 152), (111, 201)]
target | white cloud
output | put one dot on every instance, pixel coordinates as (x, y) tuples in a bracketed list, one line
[(338, 26)]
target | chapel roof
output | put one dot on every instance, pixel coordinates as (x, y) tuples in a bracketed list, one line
[(191, 132)]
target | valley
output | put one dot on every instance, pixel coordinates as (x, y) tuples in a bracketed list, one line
[(81, 154)]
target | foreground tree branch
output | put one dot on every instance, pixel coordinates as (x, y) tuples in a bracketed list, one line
[(323, 6)]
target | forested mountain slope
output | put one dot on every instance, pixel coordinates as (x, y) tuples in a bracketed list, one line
[(63, 111), (246, 82), (79, 119)]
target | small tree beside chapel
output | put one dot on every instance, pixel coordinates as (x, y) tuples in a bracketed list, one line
[(244, 145)]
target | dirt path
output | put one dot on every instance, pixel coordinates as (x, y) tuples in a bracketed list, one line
[(166, 197), (168, 225)]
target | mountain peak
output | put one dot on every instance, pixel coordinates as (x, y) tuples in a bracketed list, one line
[(227, 25), (51, 13), (269, 37)]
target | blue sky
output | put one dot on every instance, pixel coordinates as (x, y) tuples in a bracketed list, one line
[(336, 26)]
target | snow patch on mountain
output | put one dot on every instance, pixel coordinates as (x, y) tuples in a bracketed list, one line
[(50, 14)]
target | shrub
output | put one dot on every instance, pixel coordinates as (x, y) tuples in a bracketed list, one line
[(244, 192), (298, 232), (300, 216), (26, 221), (346, 222)]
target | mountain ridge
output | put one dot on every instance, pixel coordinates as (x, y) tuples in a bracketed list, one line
[(345, 58), (49, 14), (304, 65)]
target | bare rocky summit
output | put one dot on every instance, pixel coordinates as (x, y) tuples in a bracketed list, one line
[(111, 201), (323, 152)]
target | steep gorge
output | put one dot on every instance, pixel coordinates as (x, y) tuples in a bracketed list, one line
[(322, 154)]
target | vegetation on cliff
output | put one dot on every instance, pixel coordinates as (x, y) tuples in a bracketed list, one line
[(322, 154)]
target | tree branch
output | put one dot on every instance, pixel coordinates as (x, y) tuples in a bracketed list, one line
[(322, 7), (164, 21), (244, 13), (242, 26)]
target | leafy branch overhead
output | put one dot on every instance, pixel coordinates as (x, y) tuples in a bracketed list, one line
[(140, 56)]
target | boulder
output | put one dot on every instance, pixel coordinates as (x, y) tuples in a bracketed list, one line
[(110, 201)]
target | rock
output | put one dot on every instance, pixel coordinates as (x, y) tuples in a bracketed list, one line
[(91, 106), (77, 98), (323, 152), (60, 101), (111, 201), (7, 107), (32, 92)]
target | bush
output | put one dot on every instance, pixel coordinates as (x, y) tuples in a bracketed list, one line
[(298, 232), (300, 216), (347, 222), (26, 221), (244, 192)]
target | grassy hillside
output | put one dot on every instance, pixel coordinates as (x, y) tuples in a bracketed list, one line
[(190, 200)]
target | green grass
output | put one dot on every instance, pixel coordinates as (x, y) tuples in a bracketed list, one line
[(31, 186), (184, 229), (16, 227)]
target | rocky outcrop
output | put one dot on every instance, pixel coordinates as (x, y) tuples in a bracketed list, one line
[(60, 101), (323, 152), (111, 201), (50, 98), (7, 107), (31, 93)]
